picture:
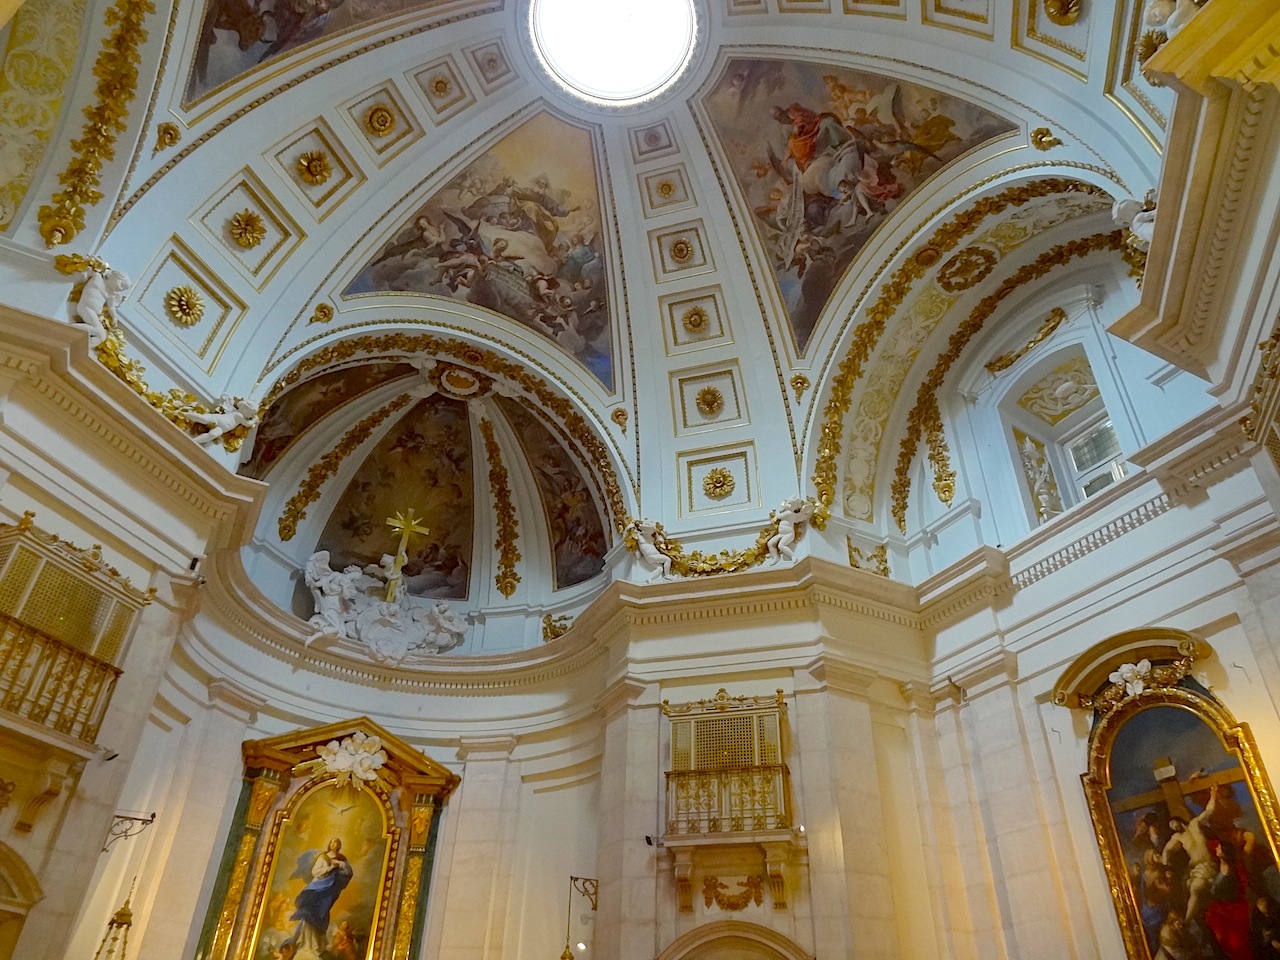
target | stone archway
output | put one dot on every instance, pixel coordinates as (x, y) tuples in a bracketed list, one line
[(19, 892), (733, 940)]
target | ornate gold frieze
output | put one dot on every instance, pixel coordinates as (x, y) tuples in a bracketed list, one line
[(699, 564), (504, 513), (1051, 323), (179, 407), (324, 468), (921, 418), (117, 71), (404, 344), (867, 334)]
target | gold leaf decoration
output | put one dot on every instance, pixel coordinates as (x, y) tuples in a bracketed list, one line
[(966, 269), (873, 561), (167, 135), (440, 86), (619, 416), (184, 305), (1062, 12), (681, 250), (867, 334), (799, 383), (323, 313), (1006, 360), (320, 471), (699, 564), (718, 483), (1042, 138), (594, 452), (508, 529), (666, 188), (695, 319), (314, 167), (1148, 44), (380, 120), (247, 229), (709, 401), (714, 891), (553, 628), (116, 69), (924, 419)]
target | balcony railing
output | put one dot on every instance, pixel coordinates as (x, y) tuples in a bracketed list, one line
[(739, 799), (50, 683)]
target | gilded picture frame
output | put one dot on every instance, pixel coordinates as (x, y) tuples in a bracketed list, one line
[(1183, 810), (330, 849)]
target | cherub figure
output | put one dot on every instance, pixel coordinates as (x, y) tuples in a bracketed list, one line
[(647, 537), (232, 412), (789, 515), (103, 291), (1140, 221)]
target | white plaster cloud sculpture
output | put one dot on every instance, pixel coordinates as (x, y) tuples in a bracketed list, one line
[(357, 757)]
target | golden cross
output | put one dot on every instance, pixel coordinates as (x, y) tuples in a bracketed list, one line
[(406, 524)]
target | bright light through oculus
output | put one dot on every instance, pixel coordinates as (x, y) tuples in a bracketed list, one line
[(617, 51)]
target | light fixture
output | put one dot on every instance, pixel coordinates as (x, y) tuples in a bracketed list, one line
[(589, 888)]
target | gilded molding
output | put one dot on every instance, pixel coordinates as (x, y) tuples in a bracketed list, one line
[(1051, 323), (921, 419), (508, 528), (326, 466), (426, 344), (117, 71), (867, 334)]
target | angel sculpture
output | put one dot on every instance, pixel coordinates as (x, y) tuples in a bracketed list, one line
[(647, 536), (790, 515), (103, 291), (232, 412)]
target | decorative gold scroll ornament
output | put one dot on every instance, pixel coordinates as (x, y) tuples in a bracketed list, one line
[(924, 418), (403, 344), (167, 135), (117, 71), (1042, 138), (619, 416), (174, 405), (867, 334), (717, 892), (699, 564), (1006, 360), (799, 383), (508, 529), (873, 561), (553, 628), (323, 313)]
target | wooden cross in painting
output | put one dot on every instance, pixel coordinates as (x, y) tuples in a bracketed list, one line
[(406, 524), (1174, 792)]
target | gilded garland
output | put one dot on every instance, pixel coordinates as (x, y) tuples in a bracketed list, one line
[(117, 71), (324, 468), (924, 419), (867, 334), (508, 529)]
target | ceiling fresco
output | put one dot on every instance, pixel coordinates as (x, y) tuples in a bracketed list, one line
[(236, 36), (823, 155), (577, 535), (308, 404), (517, 231), (425, 464)]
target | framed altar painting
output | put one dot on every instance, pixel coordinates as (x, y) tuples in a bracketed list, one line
[(1183, 810), (321, 864)]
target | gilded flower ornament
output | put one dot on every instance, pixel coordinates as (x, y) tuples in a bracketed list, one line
[(380, 121), (718, 483), (681, 250), (357, 757), (695, 319), (709, 401), (184, 305), (1134, 676), (314, 167), (441, 87), (247, 229)]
